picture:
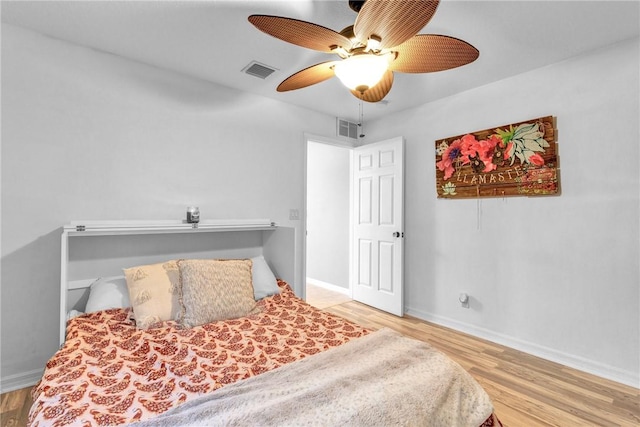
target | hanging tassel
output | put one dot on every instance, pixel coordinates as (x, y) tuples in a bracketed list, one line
[(478, 208)]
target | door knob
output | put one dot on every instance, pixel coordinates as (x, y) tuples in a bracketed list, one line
[(396, 234)]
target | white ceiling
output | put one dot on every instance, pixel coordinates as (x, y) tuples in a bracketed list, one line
[(213, 41)]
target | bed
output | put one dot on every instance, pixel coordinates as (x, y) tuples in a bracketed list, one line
[(283, 362)]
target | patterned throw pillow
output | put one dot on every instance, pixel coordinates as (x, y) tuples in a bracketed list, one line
[(214, 290), (154, 292)]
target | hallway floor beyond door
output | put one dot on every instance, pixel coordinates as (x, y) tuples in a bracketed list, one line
[(322, 298)]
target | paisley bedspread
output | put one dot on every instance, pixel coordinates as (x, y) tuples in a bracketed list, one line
[(109, 372)]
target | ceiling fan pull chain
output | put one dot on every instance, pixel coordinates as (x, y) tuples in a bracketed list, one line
[(361, 124)]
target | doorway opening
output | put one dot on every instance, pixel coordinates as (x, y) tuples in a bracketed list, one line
[(328, 222)]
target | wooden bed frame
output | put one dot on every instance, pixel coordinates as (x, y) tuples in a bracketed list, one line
[(94, 249)]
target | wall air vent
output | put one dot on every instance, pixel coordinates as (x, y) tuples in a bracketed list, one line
[(257, 69), (346, 128)]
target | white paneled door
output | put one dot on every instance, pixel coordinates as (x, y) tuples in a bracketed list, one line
[(378, 225)]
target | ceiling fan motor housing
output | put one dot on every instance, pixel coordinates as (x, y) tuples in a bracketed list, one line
[(356, 5)]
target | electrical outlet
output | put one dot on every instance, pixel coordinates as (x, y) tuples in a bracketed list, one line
[(294, 214), (464, 300)]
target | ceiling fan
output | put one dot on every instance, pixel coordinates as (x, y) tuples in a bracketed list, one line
[(383, 40)]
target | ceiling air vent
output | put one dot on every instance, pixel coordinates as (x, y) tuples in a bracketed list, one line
[(257, 69), (347, 129)]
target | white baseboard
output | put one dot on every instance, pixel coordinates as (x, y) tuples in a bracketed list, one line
[(329, 286), (577, 362), (21, 380)]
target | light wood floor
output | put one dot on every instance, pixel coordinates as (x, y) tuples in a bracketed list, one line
[(323, 298), (526, 391)]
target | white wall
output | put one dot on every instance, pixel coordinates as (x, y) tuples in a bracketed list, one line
[(87, 135), (328, 183), (555, 276)]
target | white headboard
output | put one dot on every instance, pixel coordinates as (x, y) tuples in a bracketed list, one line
[(92, 249)]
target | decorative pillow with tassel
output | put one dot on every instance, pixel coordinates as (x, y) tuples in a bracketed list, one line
[(154, 293)]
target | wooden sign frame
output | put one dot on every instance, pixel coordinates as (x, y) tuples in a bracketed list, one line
[(519, 159)]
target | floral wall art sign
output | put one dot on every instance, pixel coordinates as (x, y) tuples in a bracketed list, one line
[(519, 159)]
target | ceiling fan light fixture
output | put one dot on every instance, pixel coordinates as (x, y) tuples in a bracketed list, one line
[(363, 71), (339, 50), (373, 43)]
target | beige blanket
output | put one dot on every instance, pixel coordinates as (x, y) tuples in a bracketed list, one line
[(382, 379)]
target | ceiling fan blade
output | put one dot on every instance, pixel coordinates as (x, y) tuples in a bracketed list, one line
[(427, 53), (379, 91), (392, 20), (307, 77), (300, 33)]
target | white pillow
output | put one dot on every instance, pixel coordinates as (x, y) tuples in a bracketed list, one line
[(108, 293), (264, 282), (73, 313)]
